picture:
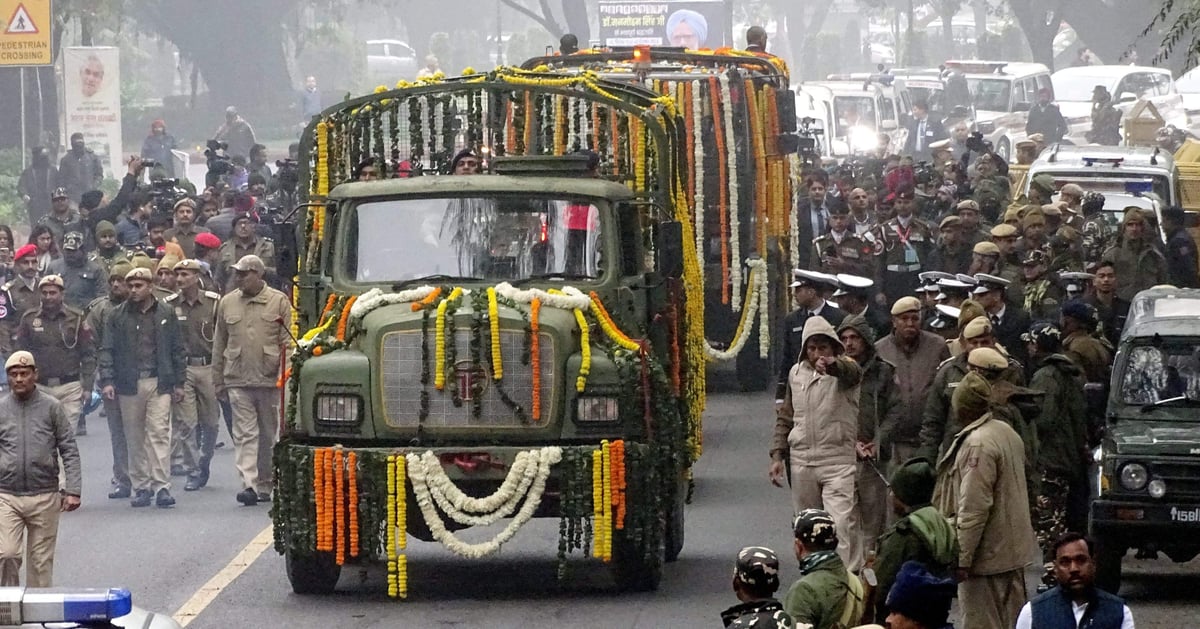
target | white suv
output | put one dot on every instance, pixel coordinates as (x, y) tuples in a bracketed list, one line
[(1003, 93)]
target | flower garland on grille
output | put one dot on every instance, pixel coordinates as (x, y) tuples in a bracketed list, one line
[(735, 246), (425, 479), (756, 296)]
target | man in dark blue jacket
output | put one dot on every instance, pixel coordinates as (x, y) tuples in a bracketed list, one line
[(1075, 601)]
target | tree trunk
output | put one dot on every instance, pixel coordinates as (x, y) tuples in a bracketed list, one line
[(576, 15), (804, 22), (1040, 21), (979, 7), (1110, 31)]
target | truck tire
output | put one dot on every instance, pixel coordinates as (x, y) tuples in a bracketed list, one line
[(633, 569), (673, 538), (312, 574), (1108, 565)]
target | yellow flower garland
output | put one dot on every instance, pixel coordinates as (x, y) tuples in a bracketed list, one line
[(397, 521), (494, 323), (601, 527), (585, 349), (322, 159), (609, 327)]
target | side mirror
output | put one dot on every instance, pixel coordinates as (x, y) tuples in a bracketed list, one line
[(668, 248), (888, 125), (785, 104)]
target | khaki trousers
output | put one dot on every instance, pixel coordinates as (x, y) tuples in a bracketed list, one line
[(116, 434), (255, 430), (146, 417), (38, 516), (873, 504), (831, 487), (993, 601), (198, 408), (68, 395)]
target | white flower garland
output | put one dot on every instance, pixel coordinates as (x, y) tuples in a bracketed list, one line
[(793, 229), (546, 458), (764, 313), (376, 298), (571, 299), (698, 158), (735, 245), (500, 504), (756, 298)]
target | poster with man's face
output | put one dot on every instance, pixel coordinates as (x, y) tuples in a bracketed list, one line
[(92, 101), (691, 24)]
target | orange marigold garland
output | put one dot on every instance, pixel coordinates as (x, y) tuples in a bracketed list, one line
[(328, 306), (352, 472), (319, 493), (428, 300), (329, 500), (535, 357), (714, 94), (341, 328), (617, 459), (339, 516)]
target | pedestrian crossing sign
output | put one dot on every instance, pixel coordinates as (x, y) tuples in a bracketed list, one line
[(25, 33), (20, 23)]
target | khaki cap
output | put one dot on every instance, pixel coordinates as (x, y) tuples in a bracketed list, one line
[(979, 326), (1004, 230), (985, 248), (950, 221), (987, 358), (139, 273), (250, 263), (967, 205), (20, 359), (52, 280), (188, 265), (906, 304)]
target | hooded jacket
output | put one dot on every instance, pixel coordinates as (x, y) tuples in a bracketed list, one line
[(879, 398), (817, 424), (924, 535), (1062, 421)]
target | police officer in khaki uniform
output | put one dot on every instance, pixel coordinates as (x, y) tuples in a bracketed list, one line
[(840, 250), (62, 342), (97, 318), (245, 242), (253, 324), (195, 416), (902, 247), (18, 295), (185, 229), (164, 277)]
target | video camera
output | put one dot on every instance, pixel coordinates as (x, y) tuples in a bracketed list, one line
[(165, 194), (976, 143), (809, 139), (287, 175), (218, 162)]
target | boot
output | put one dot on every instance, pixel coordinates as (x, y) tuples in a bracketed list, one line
[(207, 437)]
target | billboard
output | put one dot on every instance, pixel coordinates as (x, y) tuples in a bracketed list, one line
[(92, 101), (688, 23)]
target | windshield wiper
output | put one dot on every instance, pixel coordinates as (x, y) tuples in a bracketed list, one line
[(552, 276), (1171, 400), (436, 277)]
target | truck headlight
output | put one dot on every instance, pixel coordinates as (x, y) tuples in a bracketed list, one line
[(1157, 488), (594, 410), (1134, 476), (338, 409)]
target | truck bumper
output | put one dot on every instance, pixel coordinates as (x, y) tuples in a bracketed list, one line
[(1135, 524)]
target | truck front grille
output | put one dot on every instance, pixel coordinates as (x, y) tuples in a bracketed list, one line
[(401, 382), (1183, 479)]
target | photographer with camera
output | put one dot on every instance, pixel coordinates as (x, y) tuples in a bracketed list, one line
[(218, 162), (158, 145)]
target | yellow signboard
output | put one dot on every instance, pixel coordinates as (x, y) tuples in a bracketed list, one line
[(25, 33)]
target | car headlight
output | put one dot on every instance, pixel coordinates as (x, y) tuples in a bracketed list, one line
[(1134, 476), (338, 409), (862, 139), (594, 410)]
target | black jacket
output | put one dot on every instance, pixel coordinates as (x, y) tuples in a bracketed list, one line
[(1016, 322), (934, 132), (1047, 121), (118, 354), (792, 333), (1181, 259)]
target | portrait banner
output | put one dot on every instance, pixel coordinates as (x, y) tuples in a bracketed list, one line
[(690, 24), (92, 102)]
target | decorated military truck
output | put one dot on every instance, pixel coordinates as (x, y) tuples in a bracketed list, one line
[(740, 140), (483, 349)]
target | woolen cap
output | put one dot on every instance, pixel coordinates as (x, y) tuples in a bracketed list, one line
[(906, 304), (52, 280), (105, 227), (970, 399), (920, 596), (120, 269), (250, 263), (985, 248), (19, 359), (913, 482)]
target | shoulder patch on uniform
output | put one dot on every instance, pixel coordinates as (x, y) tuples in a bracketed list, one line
[(170, 297), (8, 285), (946, 362), (212, 295)]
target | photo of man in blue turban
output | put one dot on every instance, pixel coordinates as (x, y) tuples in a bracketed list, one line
[(687, 28)]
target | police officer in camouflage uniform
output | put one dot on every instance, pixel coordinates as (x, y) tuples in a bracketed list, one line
[(1042, 295), (18, 295), (97, 319), (1062, 461), (1099, 231), (755, 581), (840, 250), (1080, 344), (59, 337), (195, 416), (902, 247)]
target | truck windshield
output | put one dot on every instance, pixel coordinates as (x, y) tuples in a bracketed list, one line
[(497, 238), (990, 94), (1154, 373)]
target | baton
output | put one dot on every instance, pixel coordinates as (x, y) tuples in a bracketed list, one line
[(875, 468)]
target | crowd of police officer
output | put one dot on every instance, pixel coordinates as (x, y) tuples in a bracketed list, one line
[(930, 275)]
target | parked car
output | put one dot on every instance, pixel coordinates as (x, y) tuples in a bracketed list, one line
[(389, 60), (862, 109), (1128, 84), (1188, 86), (1002, 94)]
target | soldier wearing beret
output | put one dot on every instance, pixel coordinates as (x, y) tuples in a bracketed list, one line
[(916, 355), (61, 339), (952, 254), (972, 228), (902, 248), (18, 295)]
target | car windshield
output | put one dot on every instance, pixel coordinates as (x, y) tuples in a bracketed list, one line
[(496, 238), (990, 94), (1078, 87), (854, 111), (1156, 373)]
